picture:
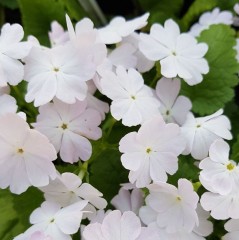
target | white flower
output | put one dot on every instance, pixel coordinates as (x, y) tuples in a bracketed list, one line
[(68, 127), (119, 227), (179, 54), (11, 50), (221, 206), (175, 207), (68, 188), (57, 35), (151, 152), (173, 108), (60, 72), (119, 28), (201, 132), (128, 201), (232, 226), (33, 235), (55, 221), (25, 155), (220, 172), (133, 102), (210, 18)]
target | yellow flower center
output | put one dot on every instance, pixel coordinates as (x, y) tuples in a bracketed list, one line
[(148, 150), (230, 166), (64, 126)]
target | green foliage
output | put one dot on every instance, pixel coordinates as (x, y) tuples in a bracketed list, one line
[(217, 87), (235, 150), (195, 10), (12, 4), (107, 173), (160, 10), (37, 15), (15, 211)]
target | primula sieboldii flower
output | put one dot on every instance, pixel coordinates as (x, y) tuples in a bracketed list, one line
[(152, 152), (68, 188), (210, 18), (117, 226), (232, 226), (33, 235), (175, 207), (173, 108), (26, 155), (68, 127), (11, 50), (218, 171), (56, 222), (119, 28), (57, 35), (179, 54), (133, 102), (128, 201), (201, 132), (60, 71)]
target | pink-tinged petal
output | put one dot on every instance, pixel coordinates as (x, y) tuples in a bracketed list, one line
[(151, 48), (93, 231), (68, 219), (169, 66), (142, 176), (147, 215), (220, 126), (91, 194), (218, 205), (122, 200), (167, 90), (39, 170), (12, 70), (133, 160), (71, 84), (111, 226), (219, 151), (8, 104), (181, 108), (129, 143), (130, 226)]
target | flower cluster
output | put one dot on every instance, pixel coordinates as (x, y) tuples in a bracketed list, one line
[(90, 79)]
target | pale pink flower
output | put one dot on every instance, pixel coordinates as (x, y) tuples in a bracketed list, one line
[(68, 188), (11, 50), (117, 226), (201, 132), (59, 72), (221, 206), (68, 127), (57, 222), (119, 28), (218, 171), (33, 235), (175, 207), (173, 108), (210, 18), (26, 155), (152, 152), (179, 54), (133, 102)]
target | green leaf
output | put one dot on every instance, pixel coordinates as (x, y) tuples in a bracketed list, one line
[(37, 15), (195, 10), (12, 4), (160, 10), (107, 173), (217, 87), (15, 211)]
